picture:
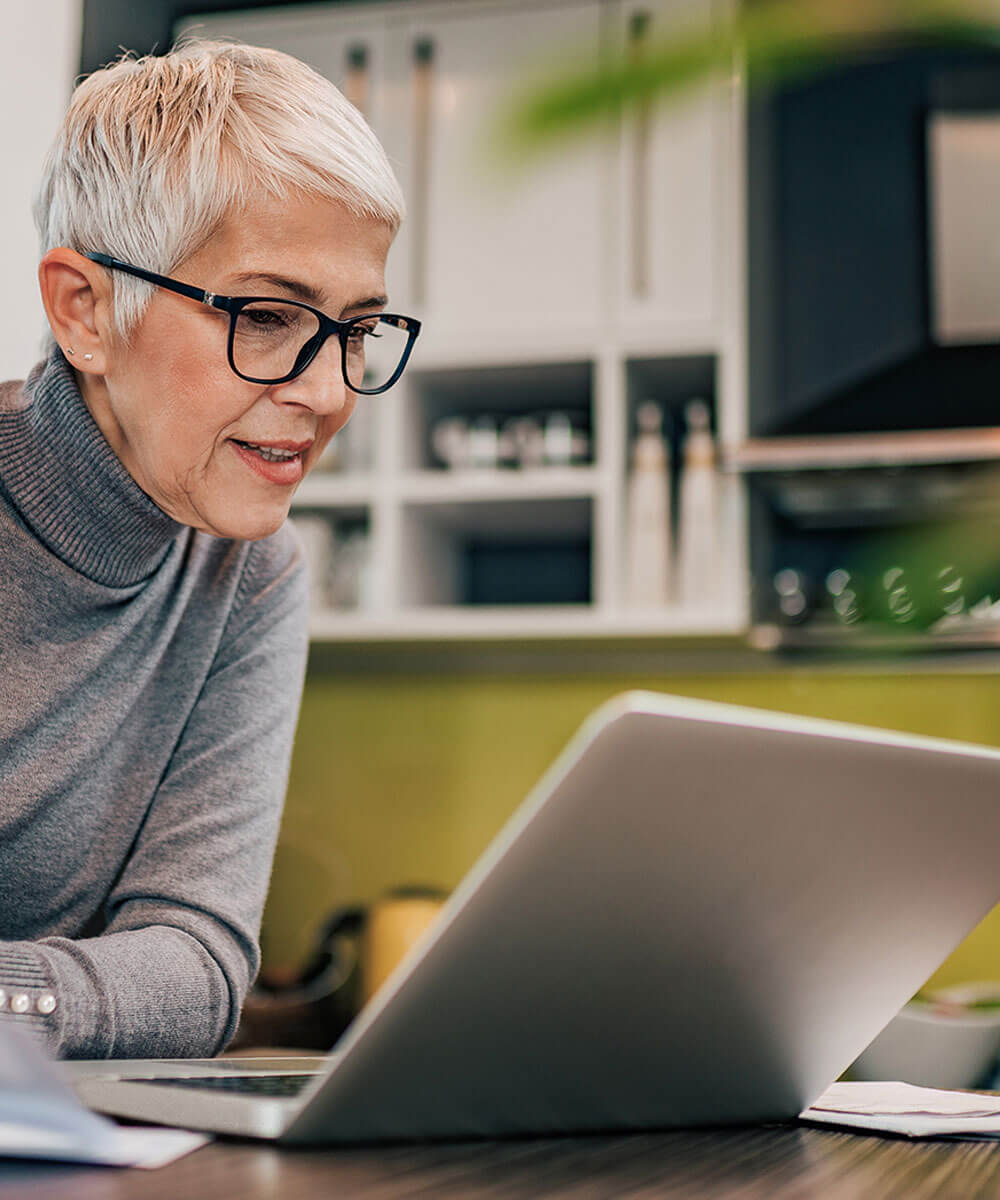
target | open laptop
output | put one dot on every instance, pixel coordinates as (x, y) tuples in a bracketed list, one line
[(701, 915)]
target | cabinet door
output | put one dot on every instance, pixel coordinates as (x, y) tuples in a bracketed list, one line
[(668, 230), (345, 44), (499, 260)]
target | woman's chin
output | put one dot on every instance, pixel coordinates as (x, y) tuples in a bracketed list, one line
[(248, 524)]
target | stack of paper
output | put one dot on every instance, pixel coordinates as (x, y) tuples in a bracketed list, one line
[(911, 1111), (41, 1118)]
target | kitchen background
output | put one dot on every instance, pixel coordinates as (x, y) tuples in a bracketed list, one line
[(704, 402)]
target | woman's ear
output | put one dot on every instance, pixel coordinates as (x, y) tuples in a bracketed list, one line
[(77, 297)]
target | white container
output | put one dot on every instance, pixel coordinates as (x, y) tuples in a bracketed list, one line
[(698, 533), (937, 1043), (648, 515)]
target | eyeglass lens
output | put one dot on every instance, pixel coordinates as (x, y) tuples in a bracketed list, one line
[(268, 338)]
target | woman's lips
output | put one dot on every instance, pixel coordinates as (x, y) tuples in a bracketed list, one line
[(282, 471)]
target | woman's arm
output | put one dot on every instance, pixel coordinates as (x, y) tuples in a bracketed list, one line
[(168, 974)]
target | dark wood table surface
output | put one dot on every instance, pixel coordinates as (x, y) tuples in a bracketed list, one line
[(779, 1163)]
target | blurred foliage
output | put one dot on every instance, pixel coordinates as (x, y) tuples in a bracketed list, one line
[(909, 582), (773, 41)]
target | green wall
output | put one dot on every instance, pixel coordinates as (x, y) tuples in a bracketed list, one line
[(405, 778)]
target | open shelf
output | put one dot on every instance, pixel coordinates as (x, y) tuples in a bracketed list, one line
[(532, 483), (492, 553), (528, 623), (334, 490), (472, 414)]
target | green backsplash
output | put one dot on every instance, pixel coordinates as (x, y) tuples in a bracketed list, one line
[(404, 779)]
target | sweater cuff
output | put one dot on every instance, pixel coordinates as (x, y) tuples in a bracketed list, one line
[(27, 999)]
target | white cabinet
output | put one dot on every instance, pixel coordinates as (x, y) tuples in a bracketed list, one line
[(349, 45), (670, 178), (500, 260), (349, 49), (555, 297)]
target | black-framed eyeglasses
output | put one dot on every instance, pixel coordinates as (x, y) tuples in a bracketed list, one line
[(273, 340)]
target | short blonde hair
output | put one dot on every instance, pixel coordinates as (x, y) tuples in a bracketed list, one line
[(155, 153)]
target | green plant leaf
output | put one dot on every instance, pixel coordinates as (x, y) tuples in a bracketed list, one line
[(772, 40)]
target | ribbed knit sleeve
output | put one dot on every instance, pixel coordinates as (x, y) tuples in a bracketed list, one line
[(167, 973), (27, 999)]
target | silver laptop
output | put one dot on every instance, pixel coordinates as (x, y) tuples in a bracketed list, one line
[(701, 915)]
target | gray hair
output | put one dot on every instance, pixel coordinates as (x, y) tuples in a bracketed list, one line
[(155, 153)]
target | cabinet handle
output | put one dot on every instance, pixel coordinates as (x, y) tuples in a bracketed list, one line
[(357, 79), (637, 34), (423, 95)]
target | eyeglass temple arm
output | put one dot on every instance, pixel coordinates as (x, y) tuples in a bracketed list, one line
[(172, 285)]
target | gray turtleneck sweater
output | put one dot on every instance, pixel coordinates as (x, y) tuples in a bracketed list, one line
[(149, 685)]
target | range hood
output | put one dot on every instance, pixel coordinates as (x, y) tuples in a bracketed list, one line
[(874, 234)]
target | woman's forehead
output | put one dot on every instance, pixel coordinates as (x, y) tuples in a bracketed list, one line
[(314, 250)]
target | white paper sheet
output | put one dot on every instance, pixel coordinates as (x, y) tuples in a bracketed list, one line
[(120, 1146), (40, 1117), (902, 1108)]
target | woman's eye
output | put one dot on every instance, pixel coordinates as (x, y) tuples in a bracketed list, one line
[(265, 317), (361, 333)]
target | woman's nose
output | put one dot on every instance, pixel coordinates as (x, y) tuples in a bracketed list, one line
[(321, 386)]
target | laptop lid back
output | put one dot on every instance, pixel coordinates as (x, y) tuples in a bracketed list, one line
[(701, 915)]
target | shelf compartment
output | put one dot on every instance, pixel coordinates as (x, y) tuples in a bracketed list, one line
[(495, 393), (671, 378), (670, 383), (535, 483), (328, 489), (338, 546), (497, 553)]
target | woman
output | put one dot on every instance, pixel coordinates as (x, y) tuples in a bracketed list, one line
[(214, 226)]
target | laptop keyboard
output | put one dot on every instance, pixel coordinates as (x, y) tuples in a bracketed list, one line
[(244, 1085)]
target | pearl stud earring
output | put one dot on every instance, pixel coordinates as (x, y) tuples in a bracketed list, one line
[(88, 357)]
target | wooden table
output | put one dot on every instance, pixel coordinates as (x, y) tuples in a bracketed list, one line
[(777, 1162)]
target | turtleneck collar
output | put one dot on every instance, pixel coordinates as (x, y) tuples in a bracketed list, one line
[(69, 486)]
